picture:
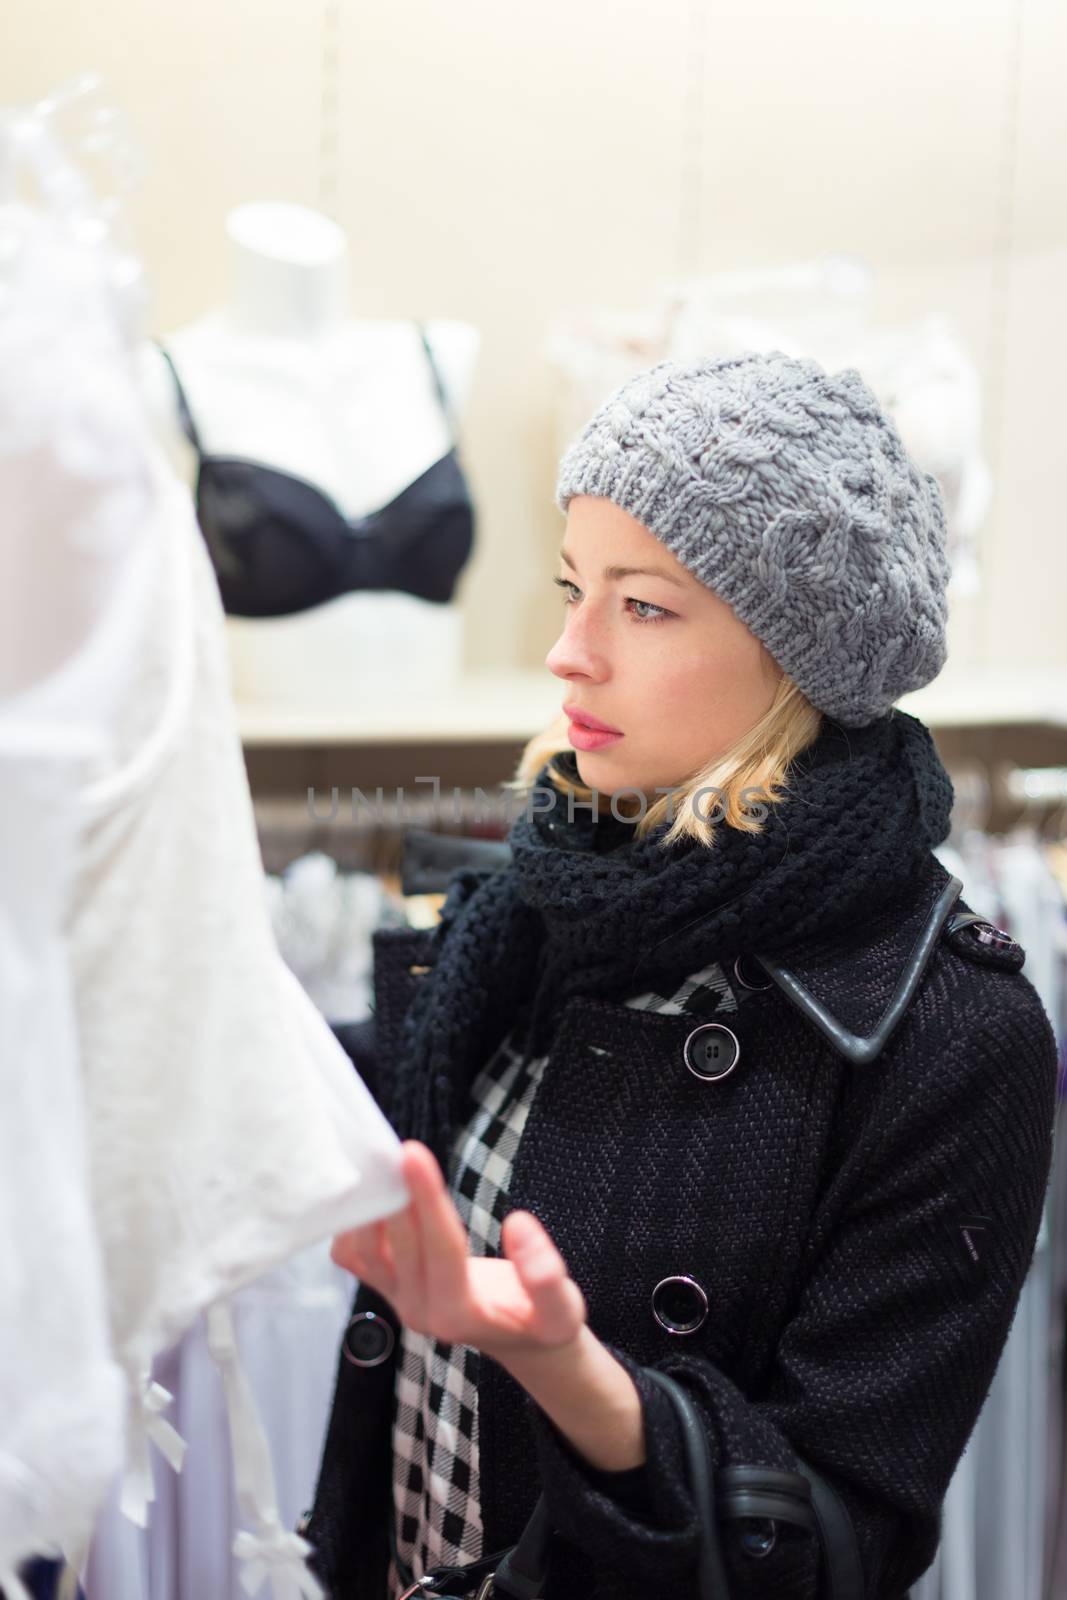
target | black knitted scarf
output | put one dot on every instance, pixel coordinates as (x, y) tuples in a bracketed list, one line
[(585, 907)]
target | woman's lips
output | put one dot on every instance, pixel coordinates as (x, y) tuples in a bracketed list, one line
[(583, 738)]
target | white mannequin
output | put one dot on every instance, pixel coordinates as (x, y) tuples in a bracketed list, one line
[(284, 377)]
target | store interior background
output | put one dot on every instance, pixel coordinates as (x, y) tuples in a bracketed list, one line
[(507, 165), (513, 166)]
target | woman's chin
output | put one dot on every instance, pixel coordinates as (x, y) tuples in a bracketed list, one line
[(594, 766), (603, 771)]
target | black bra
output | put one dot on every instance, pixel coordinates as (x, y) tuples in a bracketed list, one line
[(279, 545)]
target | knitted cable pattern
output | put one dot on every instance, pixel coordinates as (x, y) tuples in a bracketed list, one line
[(789, 492)]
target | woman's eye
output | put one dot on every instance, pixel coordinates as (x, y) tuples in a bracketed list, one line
[(658, 613)]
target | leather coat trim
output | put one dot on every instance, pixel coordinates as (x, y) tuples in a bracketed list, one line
[(855, 1047)]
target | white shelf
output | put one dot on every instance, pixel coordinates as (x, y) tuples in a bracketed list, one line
[(512, 706), (486, 707), (992, 697)]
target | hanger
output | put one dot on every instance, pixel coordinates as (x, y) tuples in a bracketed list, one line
[(68, 164)]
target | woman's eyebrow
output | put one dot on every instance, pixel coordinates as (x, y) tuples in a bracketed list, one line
[(611, 573)]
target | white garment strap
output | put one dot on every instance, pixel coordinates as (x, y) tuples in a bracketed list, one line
[(147, 1401), (67, 1586), (12, 1586), (269, 1550)]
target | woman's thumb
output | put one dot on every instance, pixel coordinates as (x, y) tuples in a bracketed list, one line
[(557, 1299)]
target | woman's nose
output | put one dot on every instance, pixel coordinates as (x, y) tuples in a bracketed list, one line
[(574, 654)]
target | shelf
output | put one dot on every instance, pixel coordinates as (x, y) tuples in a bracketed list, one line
[(510, 707), (498, 708), (990, 697)]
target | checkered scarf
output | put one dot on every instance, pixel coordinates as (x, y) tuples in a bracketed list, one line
[(436, 1478)]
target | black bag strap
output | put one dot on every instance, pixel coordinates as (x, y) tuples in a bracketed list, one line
[(840, 1545), (760, 1492), (522, 1573), (803, 1498), (711, 1572), (766, 1492)]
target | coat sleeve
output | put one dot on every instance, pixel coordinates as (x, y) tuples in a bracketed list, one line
[(374, 1043), (882, 1368), (360, 1042)]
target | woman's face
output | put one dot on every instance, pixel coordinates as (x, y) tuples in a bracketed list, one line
[(655, 655)]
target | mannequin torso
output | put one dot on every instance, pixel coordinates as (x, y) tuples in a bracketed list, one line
[(282, 377)]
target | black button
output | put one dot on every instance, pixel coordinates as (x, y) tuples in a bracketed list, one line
[(711, 1051), (747, 970), (368, 1340), (758, 1536), (987, 933), (679, 1304), (984, 943)]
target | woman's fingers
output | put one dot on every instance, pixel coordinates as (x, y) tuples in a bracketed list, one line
[(403, 1234), (444, 1238), (558, 1303), (344, 1252), (419, 1258), (356, 1244), (365, 1252)]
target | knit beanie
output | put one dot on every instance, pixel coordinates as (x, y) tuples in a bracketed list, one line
[(787, 490)]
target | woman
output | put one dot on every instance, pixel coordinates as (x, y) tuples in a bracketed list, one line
[(724, 1078)]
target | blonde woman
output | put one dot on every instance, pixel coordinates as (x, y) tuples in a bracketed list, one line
[(716, 1076)]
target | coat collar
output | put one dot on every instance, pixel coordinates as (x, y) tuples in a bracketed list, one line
[(856, 985)]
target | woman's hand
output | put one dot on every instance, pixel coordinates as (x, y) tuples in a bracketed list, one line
[(418, 1259), (524, 1309)]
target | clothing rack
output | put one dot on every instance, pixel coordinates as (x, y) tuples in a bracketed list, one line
[(1004, 1527), (999, 804), (371, 839)]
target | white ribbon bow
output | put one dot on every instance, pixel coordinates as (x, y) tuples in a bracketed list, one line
[(280, 1555), (147, 1402)]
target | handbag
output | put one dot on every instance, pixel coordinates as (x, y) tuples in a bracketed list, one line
[(803, 1498)]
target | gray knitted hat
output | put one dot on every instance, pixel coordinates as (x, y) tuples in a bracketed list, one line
[(788, 491)]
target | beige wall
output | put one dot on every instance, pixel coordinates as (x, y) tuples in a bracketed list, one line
[(504, 163)]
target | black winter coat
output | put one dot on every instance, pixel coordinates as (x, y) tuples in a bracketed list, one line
[(859, 1199)]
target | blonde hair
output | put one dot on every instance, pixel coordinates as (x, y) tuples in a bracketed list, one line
[(752, 772)]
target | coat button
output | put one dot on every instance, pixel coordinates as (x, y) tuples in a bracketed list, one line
[(679, 1304), (711, 1051), (984, 943), (758, 1536), (747, 971), (368, 1340)]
